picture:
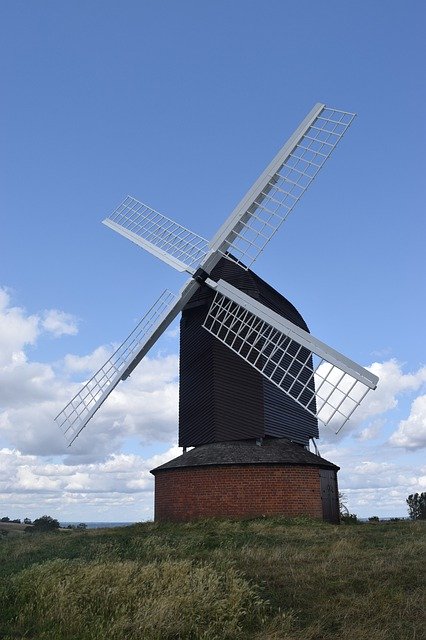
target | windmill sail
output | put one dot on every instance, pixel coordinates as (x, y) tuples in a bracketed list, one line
[(326, 383), (77, 413), (321, 380), (177, 246), (257, 217), (275, 193)]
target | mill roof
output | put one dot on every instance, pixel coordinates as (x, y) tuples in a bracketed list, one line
[(249, 282), (272, 451)]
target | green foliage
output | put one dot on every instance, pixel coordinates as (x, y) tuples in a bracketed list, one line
[(343, 509), (374, 519), (349, 518), (345, 516), (45, 523), (82, 526), (260, 579), (417, 506)]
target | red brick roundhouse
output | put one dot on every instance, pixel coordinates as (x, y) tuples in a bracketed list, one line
[(243, 479), (250, 455)]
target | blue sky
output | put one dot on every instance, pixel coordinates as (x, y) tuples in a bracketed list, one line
[(182, 105)]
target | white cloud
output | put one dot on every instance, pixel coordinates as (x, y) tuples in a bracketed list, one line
[(411, 433), (33, 393), (373, 430), (392, 383), (144, 406), (96, 477), (374, 479), (89, 363), (121, 482), (17, 330), (173, 332), (59, 323), (392, 386)]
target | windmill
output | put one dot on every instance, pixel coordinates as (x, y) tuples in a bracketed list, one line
[(245, 329)]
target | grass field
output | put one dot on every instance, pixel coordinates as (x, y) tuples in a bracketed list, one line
[(14, 527), (267, 579)]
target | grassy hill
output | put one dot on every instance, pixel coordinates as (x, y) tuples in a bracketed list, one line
[(267, 579), (13, 527)]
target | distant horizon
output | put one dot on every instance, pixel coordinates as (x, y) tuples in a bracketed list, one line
[(126, 522)]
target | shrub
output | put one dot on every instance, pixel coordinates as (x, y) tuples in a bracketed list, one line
[(417, 506), (350, 518), (45, 523), (374, 519)]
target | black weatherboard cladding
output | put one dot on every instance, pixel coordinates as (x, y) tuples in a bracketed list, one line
[(222, 398)]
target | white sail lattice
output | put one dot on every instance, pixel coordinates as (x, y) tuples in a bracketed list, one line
[(325, 383), (73, 418), (168, 240), (277, 191)]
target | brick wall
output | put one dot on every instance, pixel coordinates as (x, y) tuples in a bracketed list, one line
[(237, 492)]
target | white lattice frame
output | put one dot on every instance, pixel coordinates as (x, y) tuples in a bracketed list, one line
[(245, 213), (166, 239), (276, 334), (77, 413)]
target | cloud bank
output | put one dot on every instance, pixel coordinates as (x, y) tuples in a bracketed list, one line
[(104, 474)]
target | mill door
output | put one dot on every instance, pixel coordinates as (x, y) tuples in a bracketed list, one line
[(329, 496)]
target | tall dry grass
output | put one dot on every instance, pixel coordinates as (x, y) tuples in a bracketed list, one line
[(117, 600)]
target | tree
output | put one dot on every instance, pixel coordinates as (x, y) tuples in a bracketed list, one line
[(5, 519), (344, 511), (27, 521), (345, 516), (417, 506), (82, 526), (45, 523)]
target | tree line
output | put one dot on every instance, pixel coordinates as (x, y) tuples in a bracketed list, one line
[(44, 523)]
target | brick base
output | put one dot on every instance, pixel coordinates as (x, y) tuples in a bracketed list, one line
[(238, 491)]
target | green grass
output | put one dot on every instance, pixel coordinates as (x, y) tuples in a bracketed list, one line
[(266, 579)]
